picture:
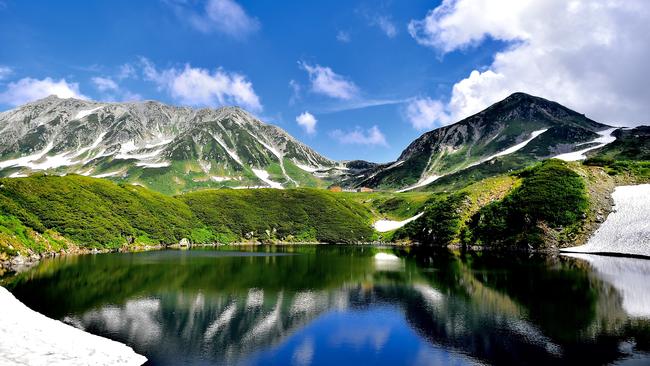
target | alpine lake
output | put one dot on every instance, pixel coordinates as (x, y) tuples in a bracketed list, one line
[(351, 305)]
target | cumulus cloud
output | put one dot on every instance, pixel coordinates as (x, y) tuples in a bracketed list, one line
[(5, 71), (201, 87), (308, 122), (104, 84), (426, 113), (589, 55), (343, 37), (326, 82), (28, 89), (372, 136), (223, 16)]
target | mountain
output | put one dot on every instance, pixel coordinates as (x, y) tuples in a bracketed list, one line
[(519, 129), (170, 149)]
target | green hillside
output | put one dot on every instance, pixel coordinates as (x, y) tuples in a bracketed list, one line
[(48, 213)]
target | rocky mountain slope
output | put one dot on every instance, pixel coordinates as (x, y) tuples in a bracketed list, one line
[(522, 128), (170, 149)]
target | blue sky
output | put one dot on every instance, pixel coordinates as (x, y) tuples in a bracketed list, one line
[(372, 75)]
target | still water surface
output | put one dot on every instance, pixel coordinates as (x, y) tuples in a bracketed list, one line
[(342, 305)]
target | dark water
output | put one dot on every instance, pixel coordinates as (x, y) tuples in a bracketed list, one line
[(341, 305)]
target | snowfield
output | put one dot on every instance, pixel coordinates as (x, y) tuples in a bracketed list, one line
[(389, 225), (604, 139), (29, 338), (627, 229)]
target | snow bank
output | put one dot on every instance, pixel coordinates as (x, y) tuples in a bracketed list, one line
[(388, 225), (29, 338), (604, 139), (627, 229), (630, 276)]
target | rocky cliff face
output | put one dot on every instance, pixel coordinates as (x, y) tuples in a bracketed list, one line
[(167, 148)]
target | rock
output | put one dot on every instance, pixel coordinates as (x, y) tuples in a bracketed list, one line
[(184, 242)]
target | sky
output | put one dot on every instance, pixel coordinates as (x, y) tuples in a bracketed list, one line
[(352, 79)]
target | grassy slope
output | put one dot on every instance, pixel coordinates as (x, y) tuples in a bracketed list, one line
[(47, 213)]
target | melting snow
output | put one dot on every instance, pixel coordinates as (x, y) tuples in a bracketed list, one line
[(604, 139), (108, 174), (627, 229), (29, 338), (388, 225), (264, 176), (421, 183)]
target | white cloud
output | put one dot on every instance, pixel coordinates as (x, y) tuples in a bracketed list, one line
[(223, 16), (104, 84), (295, 91), (386, 25), (200, 87), (327, 82), (308, 122), (372, 136), (27, 89), (5, 71), (127, 71), (343, 37), (589, 55), (426, 113)]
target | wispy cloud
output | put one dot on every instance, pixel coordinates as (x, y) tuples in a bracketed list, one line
[(343, 37), (222, 16), (372, 136), (201, 87), (385, 24), (5, 71), (295, 92), (326, 82), (308, 122), (104, 84)]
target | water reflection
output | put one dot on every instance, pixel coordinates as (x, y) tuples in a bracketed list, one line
[(348, 305)]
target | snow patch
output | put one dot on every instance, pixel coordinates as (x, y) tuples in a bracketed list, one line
[(423, 182), (264, 176), (511, 149), (87, 112), (306, 168), (109, 174), (23, 161), (153, 165), (30, 338), (388, 225), (604, 139), (627, 229)]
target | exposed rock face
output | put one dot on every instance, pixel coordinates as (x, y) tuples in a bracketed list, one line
[(149, 142)]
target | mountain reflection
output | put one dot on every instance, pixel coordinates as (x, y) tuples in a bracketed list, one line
[(309, 305)]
